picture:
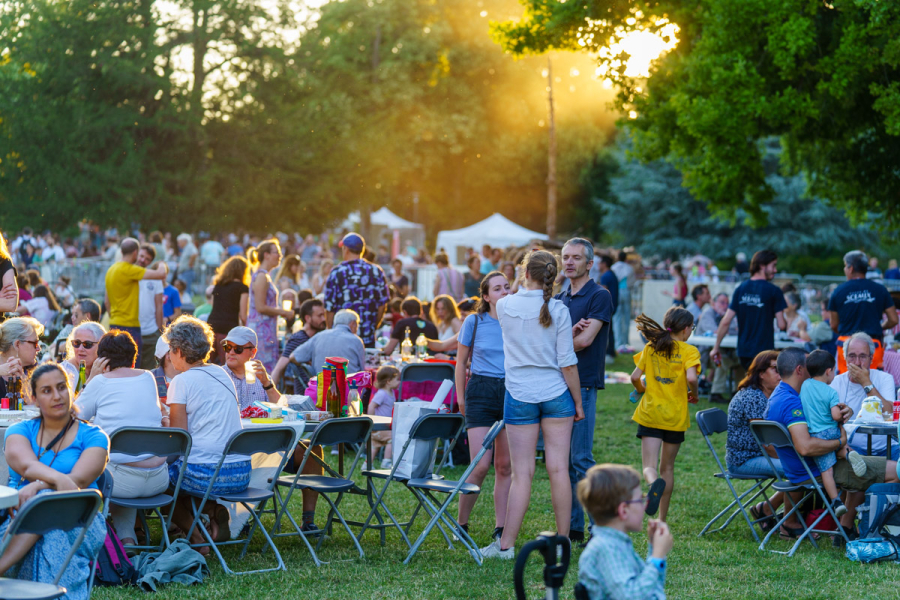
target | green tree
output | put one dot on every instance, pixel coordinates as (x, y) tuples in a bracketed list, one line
[(673, 224), (822, 76)]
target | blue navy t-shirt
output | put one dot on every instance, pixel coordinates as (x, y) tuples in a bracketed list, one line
[(487, 348), (756, 302), (786, 408), (610, 281), (591, 302), (859, 304)]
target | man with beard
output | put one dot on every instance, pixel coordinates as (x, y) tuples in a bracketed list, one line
[(591, 309), (756, 302), (312, 314)]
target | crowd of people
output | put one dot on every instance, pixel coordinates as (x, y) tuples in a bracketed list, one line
[(531, 339)]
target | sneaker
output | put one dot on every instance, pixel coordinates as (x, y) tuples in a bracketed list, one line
[(311, 529), (334, 451), (465, 528), (386, 463), (493, 550), (857, 463), (576, 536), (498, 533), (838, 506)]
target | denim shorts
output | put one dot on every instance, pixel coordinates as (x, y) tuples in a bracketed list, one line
[(527, 413)]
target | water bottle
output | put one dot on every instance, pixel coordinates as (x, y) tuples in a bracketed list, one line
[(421, 346), (897, 407)]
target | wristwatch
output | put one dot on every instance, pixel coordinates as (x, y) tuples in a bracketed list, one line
[(269, 387), (868, 389)]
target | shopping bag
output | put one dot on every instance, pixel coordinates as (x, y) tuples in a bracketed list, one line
[(417, 460)]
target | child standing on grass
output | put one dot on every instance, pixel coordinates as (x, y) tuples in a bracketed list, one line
[(609, 567), (387, 379), (671, 367), (824, 418)]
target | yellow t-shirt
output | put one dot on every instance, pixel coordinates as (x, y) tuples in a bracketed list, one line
[(665, 405), (123, 291)]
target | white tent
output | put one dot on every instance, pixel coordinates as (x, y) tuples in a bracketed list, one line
[(384, 224), (384, 217), (496, 230)]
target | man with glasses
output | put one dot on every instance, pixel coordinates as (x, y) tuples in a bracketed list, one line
[(858, 305), (240, 347), (861, 381)]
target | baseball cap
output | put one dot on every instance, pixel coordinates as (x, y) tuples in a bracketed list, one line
[(353, 242), (162, 348), (242, 336)]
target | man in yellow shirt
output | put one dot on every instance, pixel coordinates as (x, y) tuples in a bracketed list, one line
[(123, 291)]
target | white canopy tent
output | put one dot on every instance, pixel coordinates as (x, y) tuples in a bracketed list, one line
[(384, 223), (496, 230)]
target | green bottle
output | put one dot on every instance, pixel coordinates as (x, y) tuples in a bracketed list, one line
[(82, 377)]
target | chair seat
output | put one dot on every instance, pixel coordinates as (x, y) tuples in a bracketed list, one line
[(442, 486), (743, 477), (319, 483), (143, 503), (248, 495), (787, 486), (18, 589), (385, 473)]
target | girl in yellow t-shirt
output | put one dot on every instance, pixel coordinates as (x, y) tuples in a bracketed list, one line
[(671, 367)]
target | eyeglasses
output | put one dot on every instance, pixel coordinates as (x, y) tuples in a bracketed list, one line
[(35, 343), (237, 349), (642, 500), (87, 345), (858, 357)]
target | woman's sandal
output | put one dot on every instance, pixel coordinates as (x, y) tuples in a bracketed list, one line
[(791, 533), (765, 522), (655, 495)]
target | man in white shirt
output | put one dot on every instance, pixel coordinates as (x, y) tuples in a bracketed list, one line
[(622, 318), (212, 253), (150, 307), (861, 381)]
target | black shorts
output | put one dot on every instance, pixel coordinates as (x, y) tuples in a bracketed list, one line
[(669, 437), (484, 400)]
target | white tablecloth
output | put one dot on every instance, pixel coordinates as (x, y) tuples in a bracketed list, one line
[(730, 341)]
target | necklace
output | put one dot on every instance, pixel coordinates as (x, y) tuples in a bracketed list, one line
[(58, 439)]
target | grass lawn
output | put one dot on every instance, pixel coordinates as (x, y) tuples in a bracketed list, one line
[(721, 566)]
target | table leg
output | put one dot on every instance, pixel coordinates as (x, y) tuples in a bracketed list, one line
[(888, 447), (869, 445)]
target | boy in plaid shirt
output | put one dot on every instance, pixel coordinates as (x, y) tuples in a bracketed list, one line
[(609, 567)]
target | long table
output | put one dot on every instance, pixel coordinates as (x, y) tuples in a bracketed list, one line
[(730, 341)]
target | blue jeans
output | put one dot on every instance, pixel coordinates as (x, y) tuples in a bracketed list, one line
[(758, 465), (622, 318), (581, 455), (531, 413)]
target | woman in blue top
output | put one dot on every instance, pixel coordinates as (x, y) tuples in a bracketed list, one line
[(55, 451), (481, 399)]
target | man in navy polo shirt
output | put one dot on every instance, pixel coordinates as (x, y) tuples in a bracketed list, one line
[(590, 307), (785, 408)]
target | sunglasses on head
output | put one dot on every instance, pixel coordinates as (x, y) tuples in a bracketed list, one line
[(87, 345), (236, 349)]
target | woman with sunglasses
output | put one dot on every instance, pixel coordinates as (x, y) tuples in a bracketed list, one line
[(82, 346), (19, 346), (120, 395)]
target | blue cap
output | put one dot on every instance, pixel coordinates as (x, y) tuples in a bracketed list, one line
[(353, 242)]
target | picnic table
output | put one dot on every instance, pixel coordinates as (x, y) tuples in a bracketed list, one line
[(888, 429), (730, 341)]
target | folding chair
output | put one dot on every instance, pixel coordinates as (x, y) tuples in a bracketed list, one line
[(247, 442), (712, 421), (348, 430), (158, 441), (426, 427), (418, 372), (105, 485), (424, 490), (771, 433), (41, 515)]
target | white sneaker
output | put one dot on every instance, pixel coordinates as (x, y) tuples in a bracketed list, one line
[(857, 463), (493, 550), (386, 463)]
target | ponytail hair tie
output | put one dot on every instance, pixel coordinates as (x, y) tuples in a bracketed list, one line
[(669, 330)]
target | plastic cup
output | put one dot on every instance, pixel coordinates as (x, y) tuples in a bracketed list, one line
[(249, 372)]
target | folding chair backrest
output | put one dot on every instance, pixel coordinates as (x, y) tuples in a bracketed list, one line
[(712, 420), (56, 510), (770, 433), (427, 372), (268, 440), (158, 441), (105, 484), (492, 434), (346, 430), (437, 427)]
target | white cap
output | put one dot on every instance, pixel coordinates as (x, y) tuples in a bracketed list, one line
[(162, 348)]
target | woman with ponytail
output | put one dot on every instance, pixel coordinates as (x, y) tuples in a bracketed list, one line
[(671, 367), (54, 452), (543, 393), (264, 309)]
